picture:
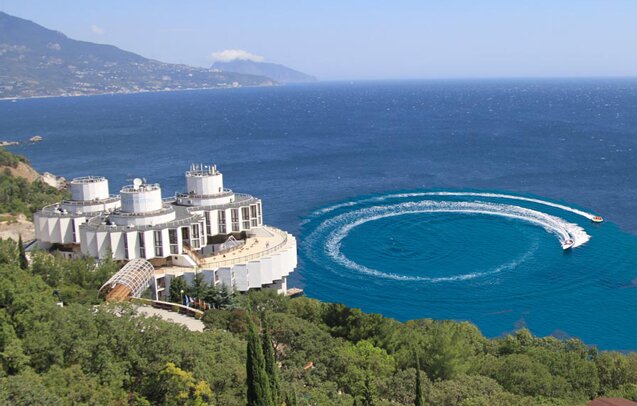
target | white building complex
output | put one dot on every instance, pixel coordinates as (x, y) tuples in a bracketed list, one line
[(58, 226), (209, 231)]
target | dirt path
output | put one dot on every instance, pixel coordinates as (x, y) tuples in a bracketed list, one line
[(12, 227)]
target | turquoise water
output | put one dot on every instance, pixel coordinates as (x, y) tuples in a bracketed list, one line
[(306, 148), (497, 261)]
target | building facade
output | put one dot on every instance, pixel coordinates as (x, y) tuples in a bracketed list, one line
[(208, 230), (58, 225)]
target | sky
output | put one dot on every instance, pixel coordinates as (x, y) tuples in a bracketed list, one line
[(356, 39)]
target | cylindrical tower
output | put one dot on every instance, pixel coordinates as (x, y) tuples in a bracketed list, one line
[(204, 180), (89, 188), (141, 198)]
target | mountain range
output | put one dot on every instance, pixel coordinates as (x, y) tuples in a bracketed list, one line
[(36, 61), (280, 73)]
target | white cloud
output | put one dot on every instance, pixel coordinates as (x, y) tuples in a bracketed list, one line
[(97, 29), (229, 55)]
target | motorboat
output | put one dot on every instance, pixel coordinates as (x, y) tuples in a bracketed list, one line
[(597, 219), (567, 244)]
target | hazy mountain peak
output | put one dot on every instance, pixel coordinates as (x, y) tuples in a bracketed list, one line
[(241, 61)]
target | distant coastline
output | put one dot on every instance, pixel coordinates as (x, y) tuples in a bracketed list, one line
[(138, 92)]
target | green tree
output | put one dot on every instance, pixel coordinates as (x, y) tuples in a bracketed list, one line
[(270, 361), (520, 374), (613, 370), (22, 255), (446, 351), (8, 252), (291, 399), (369, 394), (198, 287), (419, 401), (211, 295), (26, 389), (177, 289), (227, 298), (259, 393)]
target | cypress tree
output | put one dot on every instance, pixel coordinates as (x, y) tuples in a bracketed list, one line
[(369, 393), (22, 255), (290, 398), (420, 401), (177, 285), (270, 361), (257, 378)]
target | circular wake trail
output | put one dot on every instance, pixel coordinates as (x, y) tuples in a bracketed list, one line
[(338, 227), (582, 213), (513, 197)]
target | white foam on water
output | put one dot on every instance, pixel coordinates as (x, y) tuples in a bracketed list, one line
[(342, 225), (512, 197), (457, 194)]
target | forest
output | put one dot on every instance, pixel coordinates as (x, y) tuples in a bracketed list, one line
[(310, 352)]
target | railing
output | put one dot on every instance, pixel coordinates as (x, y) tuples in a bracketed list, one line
[(246, 258), (240, 244), (56, 210), (87, 179), (109, 199), (193, 254), (240, 201), (95, 223), (165, 208), (144, 187), (171, 307), (225, 192)]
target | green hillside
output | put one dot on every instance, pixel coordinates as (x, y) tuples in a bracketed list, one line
[(326, 354), (17, 194)]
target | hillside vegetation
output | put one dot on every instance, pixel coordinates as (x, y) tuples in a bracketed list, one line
[(326, 354), (19, 195)]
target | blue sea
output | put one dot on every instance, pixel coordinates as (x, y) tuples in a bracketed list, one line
[(441, 199)]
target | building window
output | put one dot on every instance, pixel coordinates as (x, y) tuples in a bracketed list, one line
[(234, 213), (260, 218), (253, 216), (222, 221), (245, 218), (159, 250), (125, 236), (195, 231), (172, 240), (208, 225), (73, 230), (142, 245)]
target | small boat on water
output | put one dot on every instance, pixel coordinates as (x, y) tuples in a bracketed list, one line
[(597, 219), (567, 244)]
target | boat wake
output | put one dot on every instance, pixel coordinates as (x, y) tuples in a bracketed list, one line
[(582, 213), (333, 230)]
